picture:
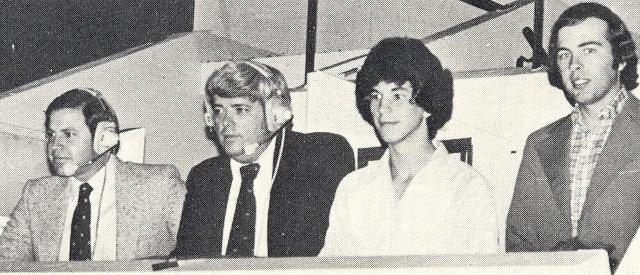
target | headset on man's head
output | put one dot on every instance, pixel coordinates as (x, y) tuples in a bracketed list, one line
[(106, 136)]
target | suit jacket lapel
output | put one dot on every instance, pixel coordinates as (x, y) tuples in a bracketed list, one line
[(280, 198), (554, 157), (127, 190), (51, 211), (621, 146)]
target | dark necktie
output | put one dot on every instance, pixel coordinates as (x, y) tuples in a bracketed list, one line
[(80, 243), (242, 236)]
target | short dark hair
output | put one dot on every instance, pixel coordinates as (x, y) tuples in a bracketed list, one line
[(622, 44), (401, 59), (92, 105)]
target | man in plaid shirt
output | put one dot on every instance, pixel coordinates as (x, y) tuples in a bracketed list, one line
[(579, 181)]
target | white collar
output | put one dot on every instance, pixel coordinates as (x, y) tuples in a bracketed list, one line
[(439, 156), (265, 160)]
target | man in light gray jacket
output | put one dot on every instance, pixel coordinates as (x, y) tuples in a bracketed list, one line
[(94, 207)]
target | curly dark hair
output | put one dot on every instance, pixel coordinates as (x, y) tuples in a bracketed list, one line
[(623, 47), (401, 59)]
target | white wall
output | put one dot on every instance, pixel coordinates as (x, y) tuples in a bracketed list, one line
[(280, 26), (155, 88), (22, 152)]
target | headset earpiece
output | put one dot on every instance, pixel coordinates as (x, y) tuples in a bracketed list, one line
[(277, 113), (105, 137), (106, 134)]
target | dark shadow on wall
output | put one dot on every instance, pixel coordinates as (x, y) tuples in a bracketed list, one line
[(42, 38)]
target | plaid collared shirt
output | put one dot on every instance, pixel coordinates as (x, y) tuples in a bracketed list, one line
[(586, 146)]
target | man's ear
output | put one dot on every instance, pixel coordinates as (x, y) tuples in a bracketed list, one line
[(208, 114), (105, 137), (277, 113)]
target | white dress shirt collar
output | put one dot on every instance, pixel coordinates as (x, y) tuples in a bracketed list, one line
[(430, 170)]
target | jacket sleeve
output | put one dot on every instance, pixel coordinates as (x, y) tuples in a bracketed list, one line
[(175, 199), (183, 240), (340, 161), (517, 227), (16, 241)]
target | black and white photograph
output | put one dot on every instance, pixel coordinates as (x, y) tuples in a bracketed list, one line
[(320, 136)]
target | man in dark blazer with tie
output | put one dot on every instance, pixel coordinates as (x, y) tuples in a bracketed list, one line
[(270, 191), (579, 181)]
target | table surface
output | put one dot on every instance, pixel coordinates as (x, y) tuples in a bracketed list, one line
[(595, 261)]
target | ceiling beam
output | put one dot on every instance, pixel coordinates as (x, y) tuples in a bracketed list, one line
[(486, 5)]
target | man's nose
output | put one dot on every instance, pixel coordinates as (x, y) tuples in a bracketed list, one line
[(575, 63), (226, 120), (384, 105), (56, 143)]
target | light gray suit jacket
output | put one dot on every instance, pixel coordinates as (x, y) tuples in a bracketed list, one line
[(148, 208), (539, 217)]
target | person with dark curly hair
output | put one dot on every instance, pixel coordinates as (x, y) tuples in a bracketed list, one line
[(416, 199), (577, 187)]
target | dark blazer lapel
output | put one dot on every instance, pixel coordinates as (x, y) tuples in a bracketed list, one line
[(622, 145), (51, 212), (280, 197), (127, 192), (554, 158)]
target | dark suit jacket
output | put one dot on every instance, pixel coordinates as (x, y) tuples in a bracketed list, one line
[(539, 217), (312, 165)]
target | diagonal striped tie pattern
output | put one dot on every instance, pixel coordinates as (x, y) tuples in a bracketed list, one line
[(242, 236), (80, 243)]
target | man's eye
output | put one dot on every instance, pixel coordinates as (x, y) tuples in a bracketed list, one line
[(242, 110), (589, 50), (374, 96), (69, 134), (563, 55), (48, 135), (400, 96), (217, 111)]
